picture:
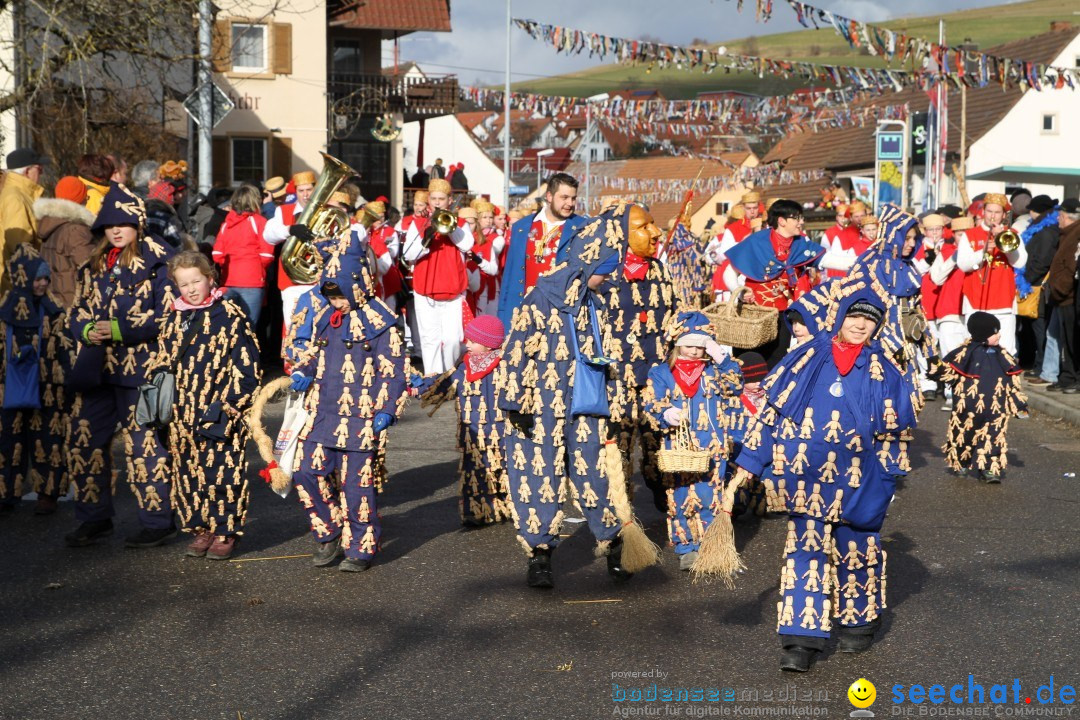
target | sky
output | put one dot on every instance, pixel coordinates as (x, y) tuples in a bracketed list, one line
[(476, 49)]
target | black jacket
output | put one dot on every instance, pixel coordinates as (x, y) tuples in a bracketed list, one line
[(1040, 249)]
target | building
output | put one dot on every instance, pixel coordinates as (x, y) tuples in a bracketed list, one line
[(453, 138)]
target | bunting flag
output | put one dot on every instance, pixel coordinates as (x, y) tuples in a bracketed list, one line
[(952, 63)]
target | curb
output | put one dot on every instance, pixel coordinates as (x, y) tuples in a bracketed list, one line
[(1048, 404)]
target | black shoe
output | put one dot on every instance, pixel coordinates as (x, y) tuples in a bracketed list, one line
[(851, 643), (614, 562), (354, 565), (148, 538), (797, 658), (1054, 387), (1031, 373), (471, 524), (1071, 390), (539, 575), (991, 478), (88, 532), (326, 552)]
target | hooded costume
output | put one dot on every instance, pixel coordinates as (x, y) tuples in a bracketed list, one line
[(528, 242), (358, 364), (135, 296), (563, 391), (35, 354), (707, 392), (685, 261), (216, 359), (828, 444)]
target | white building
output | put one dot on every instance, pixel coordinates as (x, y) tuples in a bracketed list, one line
[(447, 138)]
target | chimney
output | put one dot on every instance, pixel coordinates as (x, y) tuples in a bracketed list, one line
[(1059, 25)]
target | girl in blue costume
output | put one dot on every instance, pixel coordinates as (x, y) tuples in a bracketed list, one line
[(699, 386), (835, 410), (123, 297), (349, 358), (34, 356), (562, 395)]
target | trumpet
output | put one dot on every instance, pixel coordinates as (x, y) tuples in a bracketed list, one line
[(443, 222), (1006, 242)]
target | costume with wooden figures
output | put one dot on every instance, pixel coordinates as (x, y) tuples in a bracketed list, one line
[(35, 354), (352, 364), (830, 432), (641, 303), (215, 356), (697, 396), (473, 383), (129, 289), (561, 393), (684, 257), (751, 494), (985, 381)]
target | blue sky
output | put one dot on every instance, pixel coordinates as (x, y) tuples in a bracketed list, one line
[(475, 50)]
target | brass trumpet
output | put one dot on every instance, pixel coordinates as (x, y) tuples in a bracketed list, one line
[(300, 258), (444, 222), (1006, 242)]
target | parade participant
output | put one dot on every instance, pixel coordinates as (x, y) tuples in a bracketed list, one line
[(990, 278), (796, 323), (846, 241), (985, 381), (95, 171), (439, 282), (694, 391), (558, 445), (829, 436), (500, 220), (942, 291), (209, 346), (774, 264), (242, 253), (66, 241), (485, 273), (274, 192), (279, 228), (739, 229), (385, 244), (35, 355), (641, 304), (124, 295), (349, 358), (751, 495), (473, 384), (684, 258), (538, 241)]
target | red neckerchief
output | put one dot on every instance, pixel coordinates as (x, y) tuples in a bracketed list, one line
[(112, 257), (335, 319), (688, 375), (844, 355), (781, 245), (635, 268), (752, 401), (479, 365)]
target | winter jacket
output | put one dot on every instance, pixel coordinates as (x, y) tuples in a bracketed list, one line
[(17, 219), (1062, 280), (66, 243), (95, 193), (241, 251), (1041, 248)]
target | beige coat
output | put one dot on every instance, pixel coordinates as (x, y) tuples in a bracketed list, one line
[(66, 243)]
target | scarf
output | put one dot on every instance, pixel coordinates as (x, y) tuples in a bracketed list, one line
[(782, 245), (753, 399), (335, 319), (844, 355), (479, 365), (1023, 287), (687, 374), (181, 304), (635, 268), (112, 257)]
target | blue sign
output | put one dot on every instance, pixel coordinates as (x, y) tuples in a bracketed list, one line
[(519, 189), (890, 146)]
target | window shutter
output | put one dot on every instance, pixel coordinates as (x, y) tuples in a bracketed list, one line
[(222, 158), (221, 46), (281, 157), (282, 52)]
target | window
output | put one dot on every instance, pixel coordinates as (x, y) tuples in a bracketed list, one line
[(249, 51), (348, 57), (248, 160), (722, 208), (1049, 124)]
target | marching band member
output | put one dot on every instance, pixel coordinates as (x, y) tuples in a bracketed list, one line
[(279, 228), (942, 290), (489, 249)]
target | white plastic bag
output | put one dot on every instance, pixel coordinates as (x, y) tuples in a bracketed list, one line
[(296, 416)]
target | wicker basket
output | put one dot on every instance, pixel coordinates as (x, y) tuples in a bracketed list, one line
[(685, 456), (740, 325)]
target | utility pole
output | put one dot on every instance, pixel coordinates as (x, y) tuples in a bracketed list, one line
[(506, 111), (206, 98)]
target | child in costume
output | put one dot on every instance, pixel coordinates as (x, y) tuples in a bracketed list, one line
[(35, 354), (350, 359), (209, 345), (751, 496), (473, 383), (698, 388), (985, 382)]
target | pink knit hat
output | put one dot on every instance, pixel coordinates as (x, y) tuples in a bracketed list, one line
[(487, 330)]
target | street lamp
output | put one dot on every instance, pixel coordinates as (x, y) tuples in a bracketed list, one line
[(540, 164)]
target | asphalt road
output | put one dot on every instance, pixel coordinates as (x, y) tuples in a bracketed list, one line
[(982, 580)]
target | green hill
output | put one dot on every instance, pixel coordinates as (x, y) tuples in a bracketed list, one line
[(985, 26)]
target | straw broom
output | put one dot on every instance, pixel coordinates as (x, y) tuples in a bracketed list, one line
[(264, 442), (638, 551), (717, 554)]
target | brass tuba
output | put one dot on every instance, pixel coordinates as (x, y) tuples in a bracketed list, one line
[(301, 259)]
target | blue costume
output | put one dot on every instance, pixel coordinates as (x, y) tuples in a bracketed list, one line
[(134, 293), (693, 500), (35, 354), (216, 359), (512, 286), (832, 443), (685, 261), (356, 363)]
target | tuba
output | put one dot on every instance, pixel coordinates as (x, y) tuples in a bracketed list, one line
[(301, 259)]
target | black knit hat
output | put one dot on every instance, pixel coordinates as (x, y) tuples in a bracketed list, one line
[(866, 310), (981, 325), (754, 368)]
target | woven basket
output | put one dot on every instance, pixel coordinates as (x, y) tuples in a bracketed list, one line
[(741, 325), (685, 456)]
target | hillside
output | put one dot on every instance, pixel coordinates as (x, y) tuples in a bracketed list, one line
[(985, 26)]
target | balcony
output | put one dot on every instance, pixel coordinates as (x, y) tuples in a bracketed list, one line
[(412, 96)]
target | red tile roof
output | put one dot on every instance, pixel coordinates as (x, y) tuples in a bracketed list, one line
[(393, 15)]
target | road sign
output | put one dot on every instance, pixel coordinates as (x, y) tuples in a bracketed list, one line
[(220, 106), (890, 146), (519, 189)]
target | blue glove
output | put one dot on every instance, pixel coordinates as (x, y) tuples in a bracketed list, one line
[(416, 381), (300, 382), (382, 421)]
